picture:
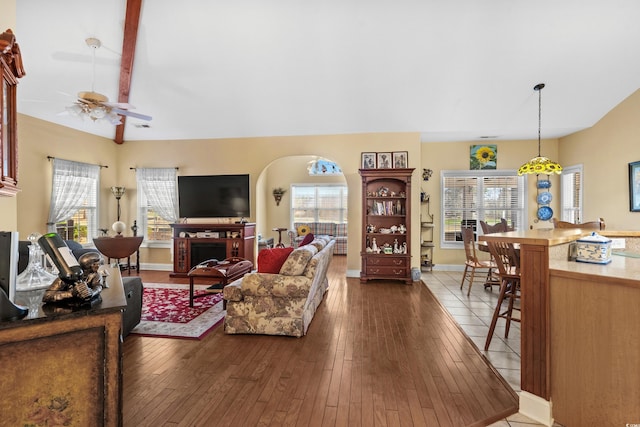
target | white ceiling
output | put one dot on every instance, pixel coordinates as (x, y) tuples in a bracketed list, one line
[(449, 69)]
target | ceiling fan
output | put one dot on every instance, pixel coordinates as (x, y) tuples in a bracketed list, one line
[(96, 106)]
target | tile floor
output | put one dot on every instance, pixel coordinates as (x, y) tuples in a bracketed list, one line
[(473, 313)]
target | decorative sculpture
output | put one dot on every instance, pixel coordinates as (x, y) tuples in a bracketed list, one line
[(85, 291)]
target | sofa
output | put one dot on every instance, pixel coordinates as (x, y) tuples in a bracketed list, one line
[(338, 232), (133, 286), (281, 303)]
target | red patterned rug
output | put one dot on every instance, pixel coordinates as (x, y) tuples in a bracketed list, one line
[(166, 312)]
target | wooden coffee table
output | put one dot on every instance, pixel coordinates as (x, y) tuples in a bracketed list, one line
[(222, 272)]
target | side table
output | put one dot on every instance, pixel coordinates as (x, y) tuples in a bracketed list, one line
[(280, 230), (120, 247)]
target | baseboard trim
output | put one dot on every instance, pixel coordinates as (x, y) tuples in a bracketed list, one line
[(536, 408), (158, 267)]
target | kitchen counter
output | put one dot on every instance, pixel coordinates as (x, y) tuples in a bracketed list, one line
[(580, 347)]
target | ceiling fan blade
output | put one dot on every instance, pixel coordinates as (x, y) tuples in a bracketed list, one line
[(131, 114), (121, 105)]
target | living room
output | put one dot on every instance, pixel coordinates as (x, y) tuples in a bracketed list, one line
[(604, 148)]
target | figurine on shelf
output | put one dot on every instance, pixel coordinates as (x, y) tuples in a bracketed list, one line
[(402, 229), (404, 248), (396, 247), (374, 246)]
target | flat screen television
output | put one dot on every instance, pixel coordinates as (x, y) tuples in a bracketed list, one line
[(213, 196)]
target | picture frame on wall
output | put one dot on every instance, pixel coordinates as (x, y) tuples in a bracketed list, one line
[(368, 161), (384, 160), (634, 186), (400, 159)]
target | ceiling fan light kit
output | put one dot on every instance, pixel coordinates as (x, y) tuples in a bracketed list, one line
[(95, 106)]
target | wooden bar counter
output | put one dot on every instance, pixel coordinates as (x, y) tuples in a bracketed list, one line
[(580, 348)]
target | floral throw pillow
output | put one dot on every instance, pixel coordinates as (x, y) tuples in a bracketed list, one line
[(298, 260)]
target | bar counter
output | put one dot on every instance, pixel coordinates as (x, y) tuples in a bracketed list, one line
[(580, 349)]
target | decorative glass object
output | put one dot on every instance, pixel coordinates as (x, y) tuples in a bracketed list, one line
[(34, 276)]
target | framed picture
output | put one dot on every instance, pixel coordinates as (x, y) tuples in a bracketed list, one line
[(400, 159), (483, 157), (634, 186), (384, 160), (368, 161)]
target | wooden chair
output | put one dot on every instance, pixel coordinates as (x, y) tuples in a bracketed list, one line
[(508, 263), (498, 227), (473, 264), (592, 225)]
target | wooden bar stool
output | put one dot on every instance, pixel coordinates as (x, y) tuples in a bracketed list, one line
[(508, 263)]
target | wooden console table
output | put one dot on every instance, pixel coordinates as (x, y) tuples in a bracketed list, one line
[(120, 247), (72, 357)]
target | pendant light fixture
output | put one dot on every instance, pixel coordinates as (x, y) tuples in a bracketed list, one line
[(540, 164)]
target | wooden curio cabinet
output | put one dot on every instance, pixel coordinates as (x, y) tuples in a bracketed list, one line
[(386, 223)]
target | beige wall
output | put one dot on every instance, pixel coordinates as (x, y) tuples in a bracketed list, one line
[(40, 139), (605, 150)]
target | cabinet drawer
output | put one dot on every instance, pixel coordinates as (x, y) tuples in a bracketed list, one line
[(389, 260), (386, 271)]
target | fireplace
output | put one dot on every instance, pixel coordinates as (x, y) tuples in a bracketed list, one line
[(205, 251)]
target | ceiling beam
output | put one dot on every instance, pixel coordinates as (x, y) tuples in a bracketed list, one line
[(129, 39)]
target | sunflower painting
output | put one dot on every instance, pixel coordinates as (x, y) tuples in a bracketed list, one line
[(483, 157)]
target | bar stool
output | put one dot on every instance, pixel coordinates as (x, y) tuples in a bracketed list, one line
[(508, 263)]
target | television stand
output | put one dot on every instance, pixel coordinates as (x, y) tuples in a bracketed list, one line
[(195, 243)]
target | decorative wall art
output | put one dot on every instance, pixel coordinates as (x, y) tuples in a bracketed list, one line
[(385, 160), (400, 159), (483, 157), (634, 186), (368, 161)]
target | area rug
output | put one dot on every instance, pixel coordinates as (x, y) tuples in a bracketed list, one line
[(166, 312)]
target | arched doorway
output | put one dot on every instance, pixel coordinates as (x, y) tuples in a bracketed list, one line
[(283, 173)]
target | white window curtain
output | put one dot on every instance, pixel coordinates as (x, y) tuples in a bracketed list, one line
[(159, 188), (75, 186)]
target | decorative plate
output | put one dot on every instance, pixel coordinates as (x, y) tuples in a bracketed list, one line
[(544, 198), (545, 213), (544, 183)]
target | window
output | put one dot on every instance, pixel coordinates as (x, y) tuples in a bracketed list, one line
[(157, 204), (471, 196), (73, 210), (319, 203), (571, 194)]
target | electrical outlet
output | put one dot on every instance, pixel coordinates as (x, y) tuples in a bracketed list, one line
[(617, 243)]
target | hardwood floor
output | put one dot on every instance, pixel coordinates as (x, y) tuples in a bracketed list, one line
[(378, 354)]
